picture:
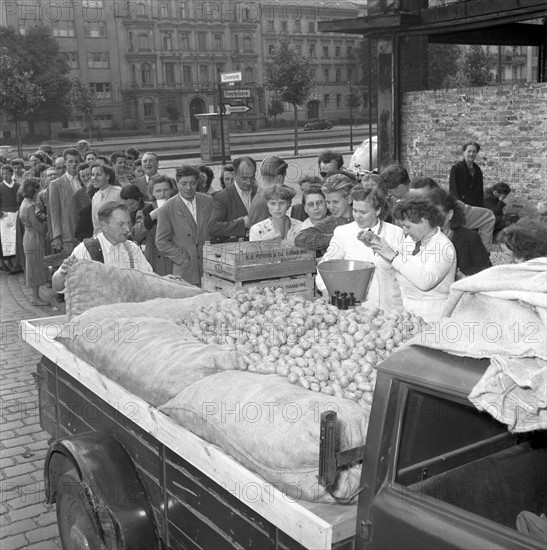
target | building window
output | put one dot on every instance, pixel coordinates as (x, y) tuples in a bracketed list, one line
[(199, 11), (326, 74), (271, 49), (184, 41), (326, 100), (148, 105), (103, 121), (298, 48), (167, 41), (202, 41), (165, 10), (97, 60), (284, 26), (141, 9), (169, 73), (338, 75), (146, 74), (236, 42), (217, 42), (62, 29), (312, 50), (203, 74), (220, 68), (182, 10), (337, 51), (249, 74), (187, 74), (133, 74), (297, 26), (338, 101), (94, 29), (247, 44), (311, 26), (101, 90), (350, 73), (349, 51), (144, 42), (325, 51), (72, 59), (270, 26)]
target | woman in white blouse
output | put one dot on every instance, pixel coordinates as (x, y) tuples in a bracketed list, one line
[(278, 225), (426, 262), (347, 243)]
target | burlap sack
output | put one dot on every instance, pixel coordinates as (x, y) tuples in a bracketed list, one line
[(271, 427), (91, 284), (152, 358)]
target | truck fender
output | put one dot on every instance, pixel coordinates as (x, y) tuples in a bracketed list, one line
[(111, 479)]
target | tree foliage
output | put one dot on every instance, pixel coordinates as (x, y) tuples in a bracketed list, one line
[(289, 74), (37, 54), (442, 59), (275, 108), (474, 69), (20, 96), (83, 99)]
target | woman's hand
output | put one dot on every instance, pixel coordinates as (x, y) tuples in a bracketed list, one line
[(381, 247), (67, 263)]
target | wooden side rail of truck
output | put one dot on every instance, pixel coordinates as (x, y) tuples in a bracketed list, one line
[(436, 473)]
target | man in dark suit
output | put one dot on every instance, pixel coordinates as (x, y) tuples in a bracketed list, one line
[(150, 165), (65, 201), (230, 217), (183, 223)]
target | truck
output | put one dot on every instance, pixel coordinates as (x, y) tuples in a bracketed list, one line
[(436, 472)]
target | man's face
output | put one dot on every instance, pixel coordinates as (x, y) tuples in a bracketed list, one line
[(187, 186), (149, 165), (90, 157), (60, 166), (18, 169), (315, 207), (228, 178), (398, 192), (99, 177), (245, 176), (161, 191), (34, 161), (338, 204), (6, 175), (71, 164), (120, 165), (49, 175), (328, 168), (117, 228)]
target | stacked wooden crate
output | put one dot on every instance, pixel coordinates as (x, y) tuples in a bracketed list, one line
[(230, 267)]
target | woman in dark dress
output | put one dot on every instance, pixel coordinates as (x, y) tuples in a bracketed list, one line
[(466, 183), (471, 255), (34, 241)]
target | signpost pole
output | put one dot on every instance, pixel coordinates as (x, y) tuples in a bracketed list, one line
[(221, 114)]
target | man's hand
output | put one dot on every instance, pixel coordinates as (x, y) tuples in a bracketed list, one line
[(246, 222), (66, 265), (57, 243)]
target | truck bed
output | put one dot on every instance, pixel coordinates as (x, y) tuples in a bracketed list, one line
[(186, 456)]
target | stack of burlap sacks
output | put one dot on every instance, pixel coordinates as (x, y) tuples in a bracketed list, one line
[(127, 325)]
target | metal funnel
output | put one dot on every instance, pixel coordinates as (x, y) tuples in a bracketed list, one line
[(347, 276)]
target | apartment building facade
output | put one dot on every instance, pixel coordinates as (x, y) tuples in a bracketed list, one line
[(154, 64)]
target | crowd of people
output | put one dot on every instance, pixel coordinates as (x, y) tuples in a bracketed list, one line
[(120, 210)]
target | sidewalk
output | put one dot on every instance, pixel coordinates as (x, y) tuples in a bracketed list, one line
[(25, 521)]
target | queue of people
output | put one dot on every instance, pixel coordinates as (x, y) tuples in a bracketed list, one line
[(420, 237)]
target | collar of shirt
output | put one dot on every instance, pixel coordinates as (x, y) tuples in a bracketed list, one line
[(106, 245), (376, 228), (429, 236), (191, 205), (245, 196), (10, 185)]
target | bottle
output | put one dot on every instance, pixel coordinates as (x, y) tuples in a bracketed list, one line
[(351, 300)]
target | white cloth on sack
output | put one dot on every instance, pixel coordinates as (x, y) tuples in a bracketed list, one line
[(7, 233)]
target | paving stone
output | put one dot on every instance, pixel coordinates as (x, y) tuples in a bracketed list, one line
[(19, 527), (43, 533), (13, 543), (29, 511), (18, 470)]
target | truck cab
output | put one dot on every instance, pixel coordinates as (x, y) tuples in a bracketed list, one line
[(437, 472)]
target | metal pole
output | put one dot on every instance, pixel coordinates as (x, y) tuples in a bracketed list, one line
[(221, 113), (370, 104), (350, 117)]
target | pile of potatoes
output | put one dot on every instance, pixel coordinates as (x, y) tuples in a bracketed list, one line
[(311, 343)]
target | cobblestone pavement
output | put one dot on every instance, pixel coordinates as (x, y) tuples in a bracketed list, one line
[(25, 521)]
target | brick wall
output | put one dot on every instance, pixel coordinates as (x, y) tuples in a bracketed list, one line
[(508, 121)]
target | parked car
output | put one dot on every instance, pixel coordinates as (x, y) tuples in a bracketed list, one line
[(318, 124)]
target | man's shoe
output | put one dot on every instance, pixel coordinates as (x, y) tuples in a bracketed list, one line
[(60, 298), (16, 271)]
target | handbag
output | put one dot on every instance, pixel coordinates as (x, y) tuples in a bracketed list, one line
[(54, 261)]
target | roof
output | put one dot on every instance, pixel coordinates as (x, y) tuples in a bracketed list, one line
[(435, 369), (458, 18)]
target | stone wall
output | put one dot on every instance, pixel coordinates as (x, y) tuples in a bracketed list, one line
[(509, 122)]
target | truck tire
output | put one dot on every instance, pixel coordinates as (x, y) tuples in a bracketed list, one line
[(79, 525)]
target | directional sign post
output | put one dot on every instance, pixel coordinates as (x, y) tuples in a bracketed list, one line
[(237, 94), (225, 78), (229, 109)]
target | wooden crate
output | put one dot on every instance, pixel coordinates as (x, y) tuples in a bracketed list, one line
[(303, 285), (256, 261)]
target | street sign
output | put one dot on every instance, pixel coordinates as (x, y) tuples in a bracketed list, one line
[(230, 77), (235, 94), (229, 109)]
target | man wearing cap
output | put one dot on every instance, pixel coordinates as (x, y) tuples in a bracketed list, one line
[(83, 147), (273, 170)]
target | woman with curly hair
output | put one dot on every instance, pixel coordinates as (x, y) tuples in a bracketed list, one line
[(524, 241), (426, 262)]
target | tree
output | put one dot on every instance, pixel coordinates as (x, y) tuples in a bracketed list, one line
[(289, 75), (37, 53), (275, 108), (442, 58), (20, 96), (369, 67), (474, 69), (83, 99)]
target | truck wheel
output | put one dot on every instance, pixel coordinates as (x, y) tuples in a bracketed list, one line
[(79, 526)]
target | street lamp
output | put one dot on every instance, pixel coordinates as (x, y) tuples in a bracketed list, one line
[(350, 116)]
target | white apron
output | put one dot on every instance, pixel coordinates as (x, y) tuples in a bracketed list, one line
[(7, 233)]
